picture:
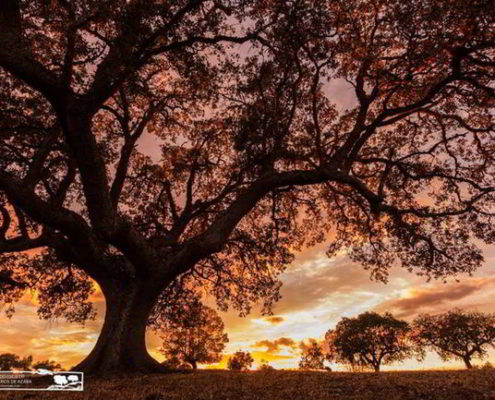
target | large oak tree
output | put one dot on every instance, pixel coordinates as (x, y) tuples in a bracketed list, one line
[(157, 147)]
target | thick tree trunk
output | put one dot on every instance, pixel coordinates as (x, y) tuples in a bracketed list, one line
[(376, 367), (194, 364), (121, 346), (467, 361)]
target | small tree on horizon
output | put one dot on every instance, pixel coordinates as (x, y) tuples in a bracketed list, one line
[(265, 366), (312, 357), (457, 334), (49, 365), (195, 336), (240, 361), (370, 340), (10, 361)]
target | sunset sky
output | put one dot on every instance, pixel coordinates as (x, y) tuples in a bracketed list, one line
[(317, 292), (314, 172)]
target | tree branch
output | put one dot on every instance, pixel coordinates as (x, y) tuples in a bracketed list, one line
[(16, 57), (56, 217)]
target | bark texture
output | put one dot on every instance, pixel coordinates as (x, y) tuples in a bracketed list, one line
[(121, 346)]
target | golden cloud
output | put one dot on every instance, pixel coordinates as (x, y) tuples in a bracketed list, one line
[(275, 320), (434, 299), (273, 346)]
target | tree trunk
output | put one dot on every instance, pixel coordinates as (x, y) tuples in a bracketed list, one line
[(194, 364), (121, 346), (376, 367), (467, 361)]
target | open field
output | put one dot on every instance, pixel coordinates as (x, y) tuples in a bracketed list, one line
[(285, 385)]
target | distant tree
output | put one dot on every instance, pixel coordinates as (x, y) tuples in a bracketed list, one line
[(370, 340), (313, 357), (265, 366), (194, 336), (487, 366), (456, 334), (240, 361), (47, 364), (9, 362)]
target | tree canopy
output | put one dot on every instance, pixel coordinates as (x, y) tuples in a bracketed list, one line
[(370, 340), (265, 366), (312, 357), (456, 334), (197, 336), (240, 361), (49, 365), (9, 362), (167, 147)]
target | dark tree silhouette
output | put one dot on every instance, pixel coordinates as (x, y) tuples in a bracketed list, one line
[(265, 366), (9, 362), (143, 146), (312, 357), (195, 336), (240, 361), (49, 365), (456, 334), (370, 340), (172, 363)]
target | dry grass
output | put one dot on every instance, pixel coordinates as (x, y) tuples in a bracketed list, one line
[(286, 385)]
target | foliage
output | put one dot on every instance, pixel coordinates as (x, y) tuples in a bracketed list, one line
[(196, 336), (370, 340), (457, 334), (172, 363), (487, 366), (265, 366), (10, 362), (254, 157), (312, 357), (49, 365), (240, 361)]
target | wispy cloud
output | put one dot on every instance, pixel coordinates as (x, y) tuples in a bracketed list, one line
[(435, 299)]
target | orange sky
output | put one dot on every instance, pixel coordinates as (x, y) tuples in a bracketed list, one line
[(317, 292)]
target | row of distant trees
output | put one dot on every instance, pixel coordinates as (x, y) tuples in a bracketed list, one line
[(371, 340), (10, 362), (368, 341)]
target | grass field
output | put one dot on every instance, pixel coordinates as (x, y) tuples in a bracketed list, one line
[(284, 385)]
